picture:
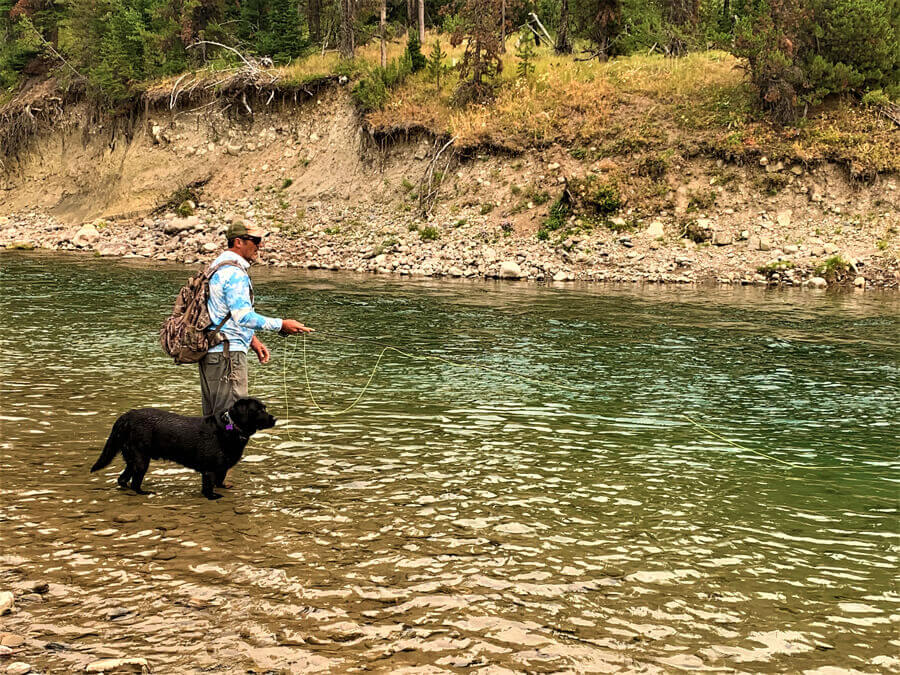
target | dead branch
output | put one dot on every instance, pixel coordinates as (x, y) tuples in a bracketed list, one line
[(541, 26), (219, 44), (49, 46), (173, 97), (428, 191)]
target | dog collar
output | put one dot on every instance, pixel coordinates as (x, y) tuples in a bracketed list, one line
[(230, 425)]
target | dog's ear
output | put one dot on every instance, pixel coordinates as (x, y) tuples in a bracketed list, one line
[(241, 413)]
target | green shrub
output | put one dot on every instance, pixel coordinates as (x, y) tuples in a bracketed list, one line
[(653, 166), (429, 233), (696, 232), (556, 220), (184, 209), (834, 268), (371, 92), (800, 51), (770, 269), (537, 197), (702, 200), (604, 199)]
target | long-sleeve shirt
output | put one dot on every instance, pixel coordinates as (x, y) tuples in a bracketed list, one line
[(229, 289)]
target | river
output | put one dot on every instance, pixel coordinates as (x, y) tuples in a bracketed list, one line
[(548, 507)]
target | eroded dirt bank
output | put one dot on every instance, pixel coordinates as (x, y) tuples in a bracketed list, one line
[(334, 197)]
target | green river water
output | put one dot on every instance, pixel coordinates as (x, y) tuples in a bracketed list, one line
[(460, 519)]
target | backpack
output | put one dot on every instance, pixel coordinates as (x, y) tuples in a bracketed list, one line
[(188, 334)]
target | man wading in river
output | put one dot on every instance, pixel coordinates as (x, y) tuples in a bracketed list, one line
[(223, 371)]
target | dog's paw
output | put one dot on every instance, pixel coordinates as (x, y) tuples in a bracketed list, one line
[(214, 495), (145, 492)]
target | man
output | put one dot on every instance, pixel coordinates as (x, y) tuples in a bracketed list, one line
[(223, 373)]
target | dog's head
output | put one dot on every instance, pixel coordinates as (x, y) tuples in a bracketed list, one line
[(250, 415)]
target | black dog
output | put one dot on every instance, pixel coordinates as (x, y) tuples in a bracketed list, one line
[(210, 445)]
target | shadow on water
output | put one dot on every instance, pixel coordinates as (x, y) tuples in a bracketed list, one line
[(460, 518)]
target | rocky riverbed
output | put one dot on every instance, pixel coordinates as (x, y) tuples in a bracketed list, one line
[(344, 239)]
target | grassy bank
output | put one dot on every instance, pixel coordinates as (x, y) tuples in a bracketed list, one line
[(645, 105)]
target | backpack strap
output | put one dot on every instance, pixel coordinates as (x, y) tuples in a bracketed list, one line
[(209, 274)]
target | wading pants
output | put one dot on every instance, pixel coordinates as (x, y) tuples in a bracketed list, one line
[(222, 382)]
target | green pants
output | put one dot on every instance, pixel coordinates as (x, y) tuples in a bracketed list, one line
[(222, 380)]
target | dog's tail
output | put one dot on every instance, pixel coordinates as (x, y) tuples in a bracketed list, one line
[(113, 444)]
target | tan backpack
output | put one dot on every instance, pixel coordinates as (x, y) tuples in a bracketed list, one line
[(187, 335)]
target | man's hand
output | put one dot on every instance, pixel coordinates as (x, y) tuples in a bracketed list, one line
[(262, 352), (291, 327)]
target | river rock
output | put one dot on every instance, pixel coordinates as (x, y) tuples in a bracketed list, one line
[(126, 665), (7, 602), (563, 276), (655, 231), (765, 244), (817, 282), (829, 248), (455, 272), (11, 640), (859, 282), (111, 250), (18, 668), (721, 238), (510, 270), (86, 236), (177, 225)]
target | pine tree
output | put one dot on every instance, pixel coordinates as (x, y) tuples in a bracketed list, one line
[(481, 60), (525, 54), (284, 26), (414, 49), (436, 66)]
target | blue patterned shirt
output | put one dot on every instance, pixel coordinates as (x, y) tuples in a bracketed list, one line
[(229, 289)]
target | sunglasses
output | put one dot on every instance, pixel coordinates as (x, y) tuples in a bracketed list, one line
[(255, 240)]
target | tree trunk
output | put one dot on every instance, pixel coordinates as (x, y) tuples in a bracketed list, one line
[(563, 46), (314, 19), (381, 28), (684, 12), (347, 29), (503, 27), (411, 15), (422, 23)]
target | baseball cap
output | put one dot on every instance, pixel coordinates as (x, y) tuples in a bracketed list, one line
[(243, 228)]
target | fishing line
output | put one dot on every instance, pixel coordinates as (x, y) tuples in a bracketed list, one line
[(757, 452), (429, 357), (385, 348)]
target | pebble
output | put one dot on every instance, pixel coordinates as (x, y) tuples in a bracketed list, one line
[(18, 668), (7, 602)]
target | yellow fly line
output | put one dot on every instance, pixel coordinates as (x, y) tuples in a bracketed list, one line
[(386, 348)]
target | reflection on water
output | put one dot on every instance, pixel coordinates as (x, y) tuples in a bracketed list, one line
[(459, 519)]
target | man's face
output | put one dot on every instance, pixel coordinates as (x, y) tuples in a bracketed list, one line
[(248, 247)]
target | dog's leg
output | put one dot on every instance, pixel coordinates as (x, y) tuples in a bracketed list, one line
[(140, 468), (208, 482), (125, 476), (220, 479)]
